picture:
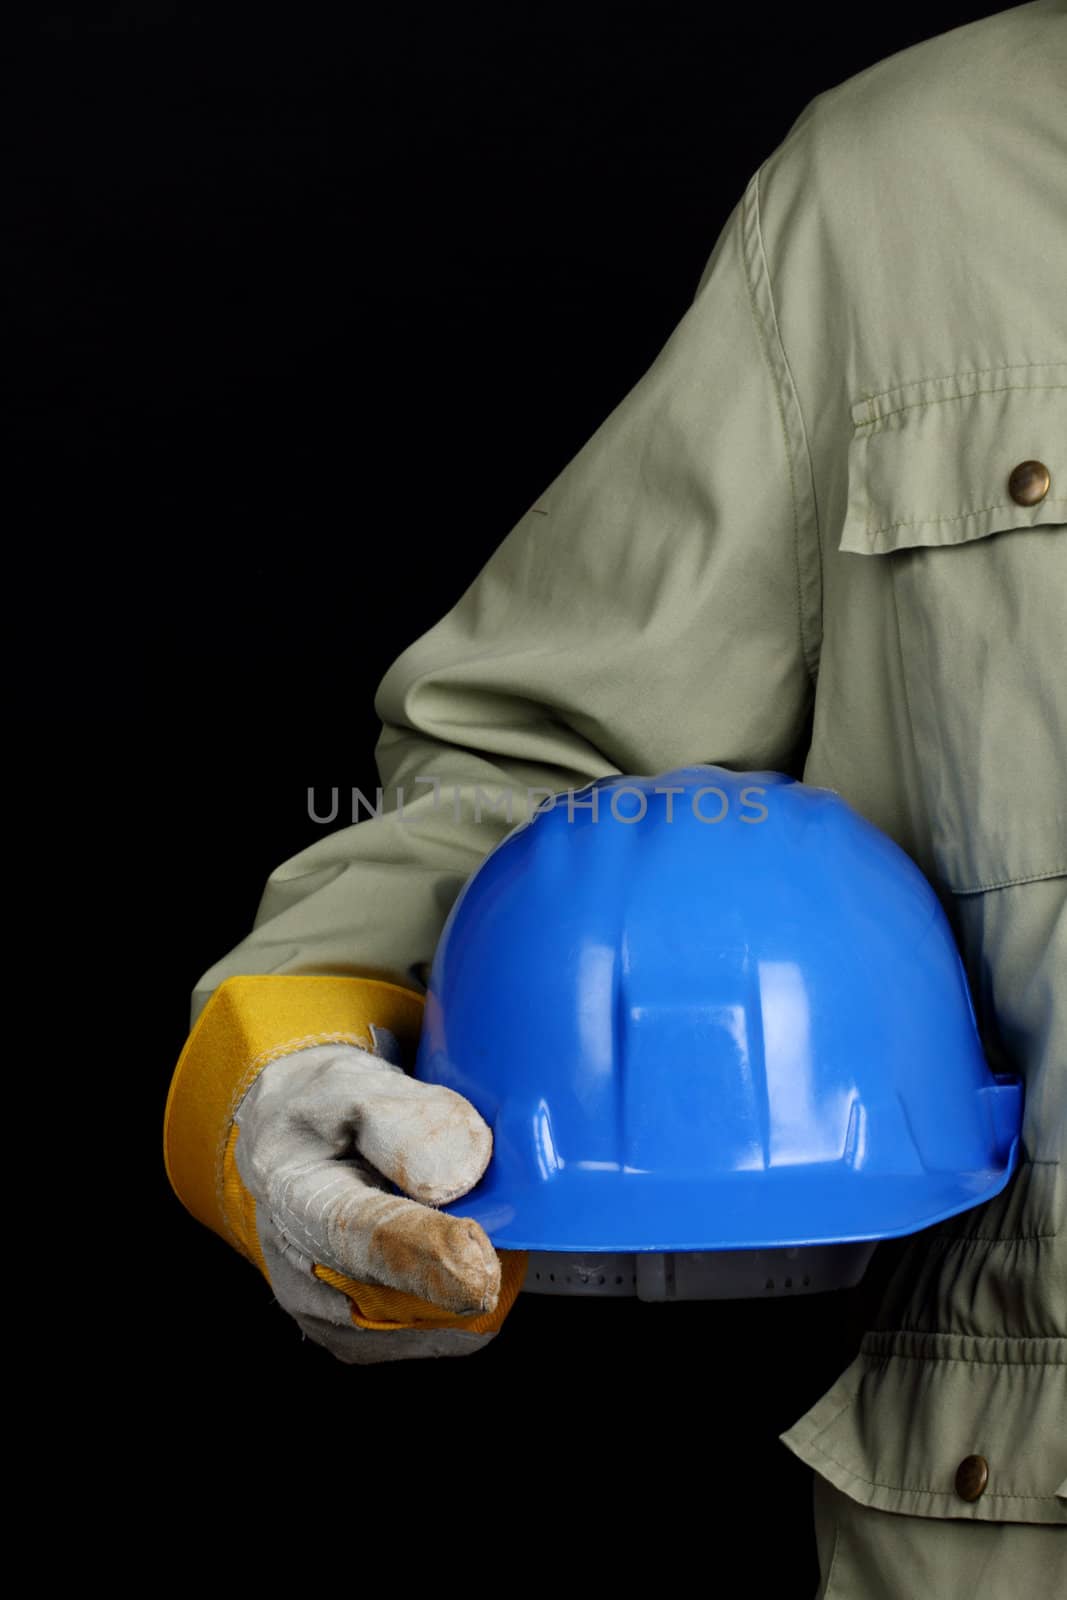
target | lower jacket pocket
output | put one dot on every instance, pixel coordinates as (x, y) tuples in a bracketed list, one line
[(947, 1426), (866, 1554)]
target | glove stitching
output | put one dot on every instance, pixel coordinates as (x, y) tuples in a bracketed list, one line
[(295, 1222), (244, 1083)]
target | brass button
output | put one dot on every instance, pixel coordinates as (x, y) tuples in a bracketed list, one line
[(972, 1475), (1029, 483)]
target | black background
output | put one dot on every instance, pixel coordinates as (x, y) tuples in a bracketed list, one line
[(313, 310)]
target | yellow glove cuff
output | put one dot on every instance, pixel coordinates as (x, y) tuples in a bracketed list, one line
[(247, 1023)]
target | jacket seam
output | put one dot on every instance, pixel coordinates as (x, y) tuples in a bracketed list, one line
[(833, 1558), (908, 690), (971, 372), (873, 424), (810, 648), (992, 1238), (1011, 883), (961, 516), (911, 1488), (934, 1360)]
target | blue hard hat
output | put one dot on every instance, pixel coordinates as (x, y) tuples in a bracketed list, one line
[(712, 1011)]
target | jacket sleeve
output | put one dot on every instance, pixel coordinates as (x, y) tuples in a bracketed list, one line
[(658, 604)]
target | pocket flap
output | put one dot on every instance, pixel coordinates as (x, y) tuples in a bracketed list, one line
[(898, 1429), (929, 463)]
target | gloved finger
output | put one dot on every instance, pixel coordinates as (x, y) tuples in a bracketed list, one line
[(335, 1217), (324, 1314), (427, 1139)]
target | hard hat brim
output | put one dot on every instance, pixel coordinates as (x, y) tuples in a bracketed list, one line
[(598, 1211)]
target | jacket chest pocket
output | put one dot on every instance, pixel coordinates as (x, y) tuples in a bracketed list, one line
[(976, 544)]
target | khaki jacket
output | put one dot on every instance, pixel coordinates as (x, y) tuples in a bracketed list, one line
[(809, 507)]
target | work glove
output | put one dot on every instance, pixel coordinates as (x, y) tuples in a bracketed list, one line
[(323, 1134)]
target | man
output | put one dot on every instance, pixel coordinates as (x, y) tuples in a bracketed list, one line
[(839, 492)]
